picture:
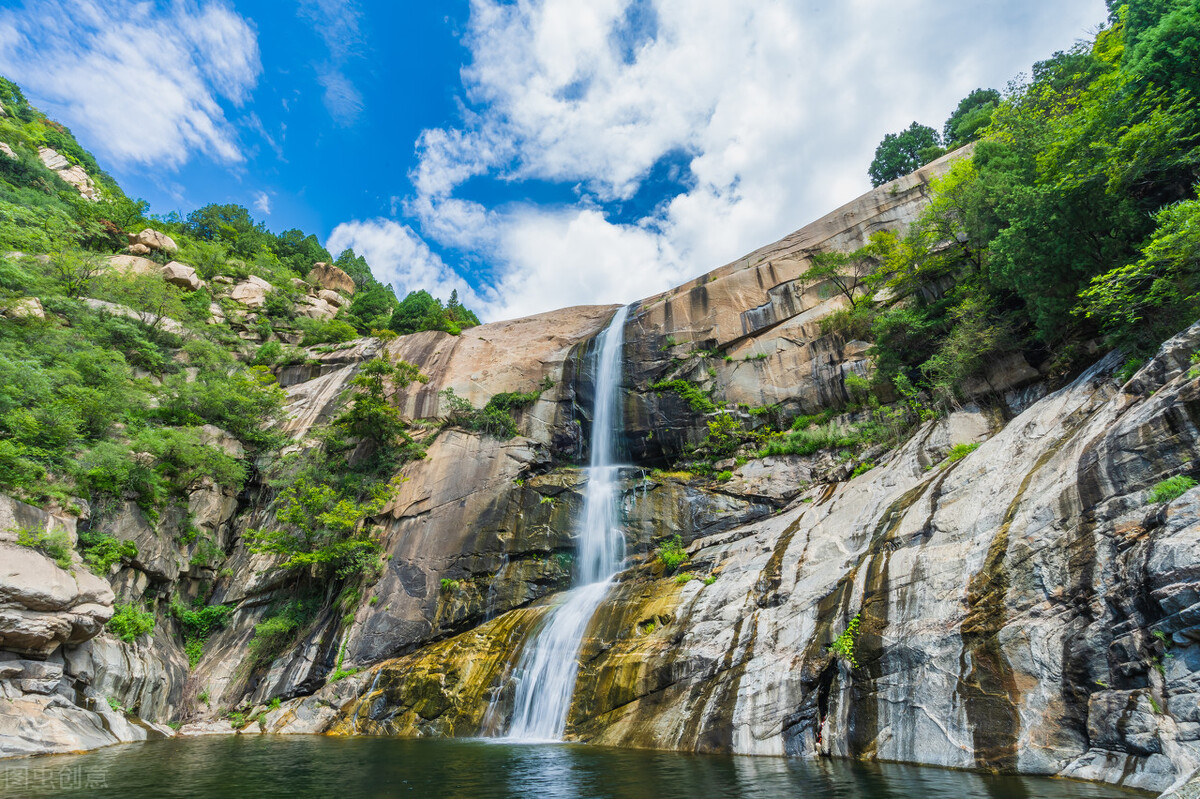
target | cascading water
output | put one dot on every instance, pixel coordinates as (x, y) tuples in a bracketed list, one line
[(550, 660)]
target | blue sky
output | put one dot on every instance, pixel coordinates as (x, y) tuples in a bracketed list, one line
[(532, 154)]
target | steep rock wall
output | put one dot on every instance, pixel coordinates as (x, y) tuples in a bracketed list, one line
[(1023, 609)]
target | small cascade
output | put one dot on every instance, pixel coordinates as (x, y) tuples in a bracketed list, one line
[(549, 661)]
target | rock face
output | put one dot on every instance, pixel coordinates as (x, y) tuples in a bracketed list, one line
[(1014, 610), (330, 277), (72, 174)]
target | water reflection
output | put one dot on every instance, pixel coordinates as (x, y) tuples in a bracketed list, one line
[(364, 768)]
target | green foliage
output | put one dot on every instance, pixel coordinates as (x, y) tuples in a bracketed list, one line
[(901, 153), (1169, 489), (101, 552), (671, 553), (275, 634), (697, 399), (862, 468), (960, 451), (811, 440), (54, 544), (970, 118), (197, 624), (1141, 303), (320, 529), (724, 476), (420, 310), (332, 331), (129, 622), (844, 645), (495, 418), (449, 586)]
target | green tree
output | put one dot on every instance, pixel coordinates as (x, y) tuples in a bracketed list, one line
[(901, 153), (973, 114)]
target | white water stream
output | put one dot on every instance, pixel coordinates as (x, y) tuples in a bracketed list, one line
[(550, 659)]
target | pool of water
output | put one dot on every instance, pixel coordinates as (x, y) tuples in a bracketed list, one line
[(349, 768)]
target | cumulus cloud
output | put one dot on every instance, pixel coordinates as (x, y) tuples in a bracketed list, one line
[(399, 257), (775, 105), (146, 83)]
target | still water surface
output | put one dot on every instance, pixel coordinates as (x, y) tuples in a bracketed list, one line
[(350, 768)]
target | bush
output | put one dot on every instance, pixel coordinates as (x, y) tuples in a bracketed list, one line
[(810, 441), (55, 544), (843, 645), (960, 451), (130, 622), (494, 419), (671, 553), (276, 633), (697, 399), (101, 552), (1169, 489), (198, 623)]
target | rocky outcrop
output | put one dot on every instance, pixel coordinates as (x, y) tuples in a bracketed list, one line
[(330, 277), (73, 174)]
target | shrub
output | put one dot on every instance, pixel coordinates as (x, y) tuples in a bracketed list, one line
[(696, 398), (960, 451), (55, 544), (1169, 489), (495, 418), (723, 476), (811, 440), (671, 553), (862, 468), (843, 645), (101, 552), (129, 622), (197, 624), (276, 633)]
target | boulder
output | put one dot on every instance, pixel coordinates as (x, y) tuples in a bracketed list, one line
[(251, 292), (181, 275), (154, 240), (333, 298), (8, 151), (330, 277), (137, 249), (133, 265), (25, 308), (43, 606), (299, 285), (316, 308), (214, 436)]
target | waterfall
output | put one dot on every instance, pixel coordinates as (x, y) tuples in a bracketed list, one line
[(550, 660)]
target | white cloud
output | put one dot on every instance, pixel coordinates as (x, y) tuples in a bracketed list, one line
[(400, 258), (262, 202), (776, 104), (145, 83), (338, 23)]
